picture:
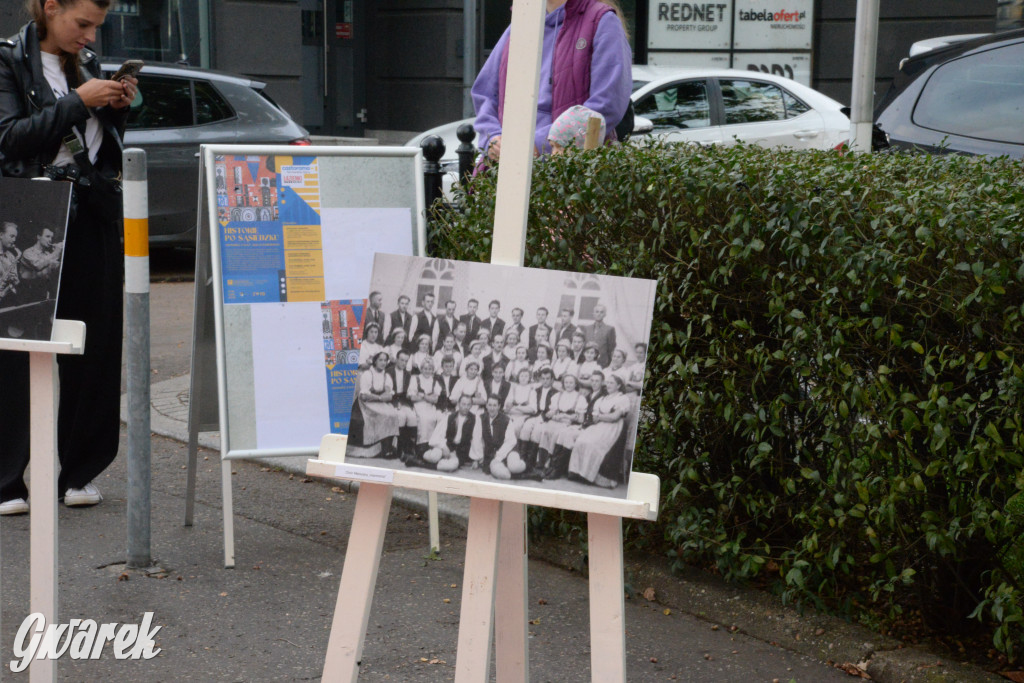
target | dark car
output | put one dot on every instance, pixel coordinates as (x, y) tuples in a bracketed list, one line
[(967, 97), (179, 108)]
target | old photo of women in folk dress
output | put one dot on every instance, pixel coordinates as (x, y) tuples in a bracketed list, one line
[(553, 405)]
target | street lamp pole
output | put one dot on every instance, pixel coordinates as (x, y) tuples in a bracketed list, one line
[(862, 98)]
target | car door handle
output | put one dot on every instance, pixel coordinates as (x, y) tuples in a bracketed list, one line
[(806, 134)]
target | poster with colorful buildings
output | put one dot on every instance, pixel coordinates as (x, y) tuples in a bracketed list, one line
[(295, 239)]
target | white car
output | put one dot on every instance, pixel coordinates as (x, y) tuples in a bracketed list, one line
[(714, 106)]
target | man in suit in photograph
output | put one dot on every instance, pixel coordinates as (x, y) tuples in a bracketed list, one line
[(497, 355), (498, 438), (446, 323), (494, 325), (400, 318), (602, 334), (472, 322), (426, 323), (542, 324), (517, 324), (452, 439), (375, 314), (563, 326), (462, 339)]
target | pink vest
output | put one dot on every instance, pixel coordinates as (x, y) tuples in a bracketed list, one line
[(570, 63)]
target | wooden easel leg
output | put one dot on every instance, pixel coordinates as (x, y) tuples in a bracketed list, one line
[(190, 475), (512, 654), (607, 605), (432, 522), (228, 508), (43, 524), (358, 578), (476, 622)]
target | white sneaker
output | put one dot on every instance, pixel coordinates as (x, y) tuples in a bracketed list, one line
[(87, 495), (15, 506)]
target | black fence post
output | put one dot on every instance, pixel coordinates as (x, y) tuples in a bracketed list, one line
[(433, 150), (466, 151)]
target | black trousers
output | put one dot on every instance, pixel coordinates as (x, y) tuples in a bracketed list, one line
[(88, 420)]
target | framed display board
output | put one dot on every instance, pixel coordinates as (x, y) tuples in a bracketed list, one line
[(33, 221), (293, 232)]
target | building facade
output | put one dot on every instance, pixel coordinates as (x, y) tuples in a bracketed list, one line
[(391, 68)]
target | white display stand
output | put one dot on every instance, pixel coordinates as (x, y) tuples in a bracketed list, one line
[(496, 530), (68, 338), (223, 399), (497, 514)]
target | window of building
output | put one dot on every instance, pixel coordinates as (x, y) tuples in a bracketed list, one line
[(437, 278), (581, 292)]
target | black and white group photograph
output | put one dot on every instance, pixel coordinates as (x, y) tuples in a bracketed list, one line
[(497, 373), (33, 220)]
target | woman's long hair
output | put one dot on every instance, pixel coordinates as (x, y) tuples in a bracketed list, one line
[(68, 62), (614, 4)]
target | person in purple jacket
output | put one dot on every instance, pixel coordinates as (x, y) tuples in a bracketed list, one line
[(585, 60)]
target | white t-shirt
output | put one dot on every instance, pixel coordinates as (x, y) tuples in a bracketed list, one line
[(93, 131)]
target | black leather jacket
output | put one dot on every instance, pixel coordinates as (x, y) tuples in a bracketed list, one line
[(33, 122)]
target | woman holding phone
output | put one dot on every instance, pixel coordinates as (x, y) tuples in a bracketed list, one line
[(60, 119)]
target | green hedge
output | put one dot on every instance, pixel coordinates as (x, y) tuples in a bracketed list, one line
[(834, 396)]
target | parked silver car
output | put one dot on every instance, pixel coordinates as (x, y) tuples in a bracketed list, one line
[(179, 108)]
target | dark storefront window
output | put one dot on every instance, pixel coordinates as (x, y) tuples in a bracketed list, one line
[(153, 30)]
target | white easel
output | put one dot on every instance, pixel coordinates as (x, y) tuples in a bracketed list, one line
[(497, 517), (496, 530), (68, 338)]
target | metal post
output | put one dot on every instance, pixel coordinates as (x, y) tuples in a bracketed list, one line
[(865, 45), (136, 272), (466, 151), (433, 150), (469, 32)]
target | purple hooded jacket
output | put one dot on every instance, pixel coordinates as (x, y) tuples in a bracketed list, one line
[(585, 60)]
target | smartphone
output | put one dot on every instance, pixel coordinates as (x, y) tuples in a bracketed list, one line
[(131, 67)]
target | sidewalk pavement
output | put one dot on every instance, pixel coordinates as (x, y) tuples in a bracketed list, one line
[(665, 636)]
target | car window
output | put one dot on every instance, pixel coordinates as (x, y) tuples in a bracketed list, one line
[(162, 102), (210, 106), (679, 105), (751, 101), (794, 107), (251, 107), (977, 96)]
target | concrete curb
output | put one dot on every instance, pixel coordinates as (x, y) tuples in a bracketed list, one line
[(754, 613)]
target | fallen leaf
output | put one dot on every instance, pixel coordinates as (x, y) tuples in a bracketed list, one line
[(542, 601), (447, 600), (123, 577), (1015, 676), (649, 594), (223, 595), (535, 621), (667, 611), (853, 670)]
